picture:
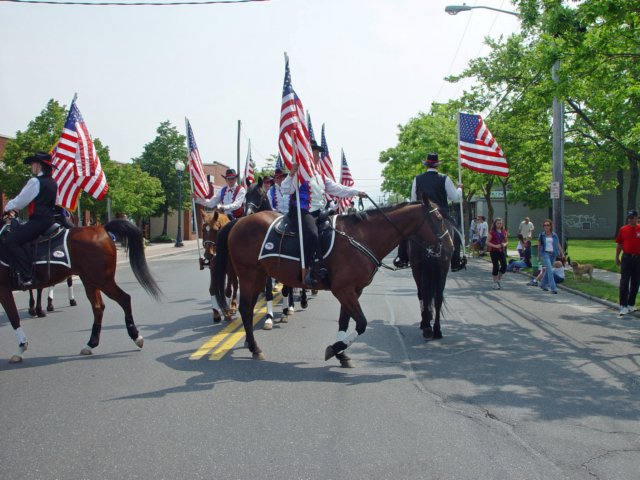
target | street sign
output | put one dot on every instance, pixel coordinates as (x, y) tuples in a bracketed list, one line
[(555, 190)]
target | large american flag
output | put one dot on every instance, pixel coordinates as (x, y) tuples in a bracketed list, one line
[(347, 180), (292, 125), (201, 187), (477, 148), (249, 168), (77, 164), (326, 165)]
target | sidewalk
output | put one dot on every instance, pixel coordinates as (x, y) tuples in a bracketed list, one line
[(158, 250)]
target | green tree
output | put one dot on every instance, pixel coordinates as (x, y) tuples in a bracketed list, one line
[(158, 160)]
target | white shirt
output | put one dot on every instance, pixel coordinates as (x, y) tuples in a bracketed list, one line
[(453, 194), (227, 203), (483, 229), (26, 195), (318, 186)]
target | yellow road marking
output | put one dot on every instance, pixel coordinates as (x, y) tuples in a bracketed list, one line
[(227, 338)]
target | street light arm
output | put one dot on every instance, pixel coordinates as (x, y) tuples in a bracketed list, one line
[(455, 9)]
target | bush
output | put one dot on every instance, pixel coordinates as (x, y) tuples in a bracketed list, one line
[(162, 239)]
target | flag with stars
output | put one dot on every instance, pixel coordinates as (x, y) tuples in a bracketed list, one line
[(294, 142), (249, 168), (312, 135), (201, 187), (326, 165), (347, 180), (77, 164), (477, 149)]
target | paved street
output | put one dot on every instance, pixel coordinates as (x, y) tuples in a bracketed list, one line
[(523, 385)]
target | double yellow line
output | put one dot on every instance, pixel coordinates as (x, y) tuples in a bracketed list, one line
[(233, 333)]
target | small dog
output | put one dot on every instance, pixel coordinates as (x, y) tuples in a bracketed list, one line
[(580, 269), (475, 249)]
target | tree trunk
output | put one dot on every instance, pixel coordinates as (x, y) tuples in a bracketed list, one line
[(619, 200), (632, 194)]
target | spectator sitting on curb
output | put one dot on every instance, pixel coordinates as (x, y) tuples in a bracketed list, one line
[(558, 274), (525, 258)]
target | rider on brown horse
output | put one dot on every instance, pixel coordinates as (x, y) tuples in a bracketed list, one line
[(230, 200), (312, 201), (39, 195)]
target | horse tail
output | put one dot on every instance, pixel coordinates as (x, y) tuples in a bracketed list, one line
[(220, 264), (134, 242)]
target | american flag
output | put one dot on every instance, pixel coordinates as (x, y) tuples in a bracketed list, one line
[(478, 150), (312, 135), (279, 165), (78, 165), (292, 125), (249, 168), (201, 187), (347, 180), (326, 165)]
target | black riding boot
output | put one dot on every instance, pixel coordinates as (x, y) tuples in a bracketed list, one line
[(402, 260), (316, 274), (22, 266)]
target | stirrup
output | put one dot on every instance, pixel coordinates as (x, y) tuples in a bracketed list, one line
[(400, 263)]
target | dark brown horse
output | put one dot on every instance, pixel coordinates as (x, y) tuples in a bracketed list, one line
[(354, 259), (212, 223), (92, 254), (35, 304)]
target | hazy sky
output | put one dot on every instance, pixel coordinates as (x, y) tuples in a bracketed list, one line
[(362, 67)]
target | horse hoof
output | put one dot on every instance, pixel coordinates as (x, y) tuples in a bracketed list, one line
[(259, 356), (41, 314), (216, 317), (32, 312), (15, 358), (427, 333), (73, 303), (139, 341), (304, 303), (345, 360), (284, 319), (50, 307), (86, 351), (328, 353), (228, 318), (268, 324), (314, 291), (437, 335)]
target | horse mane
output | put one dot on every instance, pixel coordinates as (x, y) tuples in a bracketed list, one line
[(373, 214)]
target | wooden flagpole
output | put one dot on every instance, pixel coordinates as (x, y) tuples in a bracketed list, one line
[(193, 200), (462, 199)]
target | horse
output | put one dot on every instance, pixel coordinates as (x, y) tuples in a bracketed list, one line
[(35, 304), (429, 268), (212, 223), (92, 256), (362, 240)]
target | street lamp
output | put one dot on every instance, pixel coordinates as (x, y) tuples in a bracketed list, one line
[(557, 173), (179, 169)]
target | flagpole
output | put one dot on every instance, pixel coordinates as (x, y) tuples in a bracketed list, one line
[(462, 199), (303, 268), (194, 212)]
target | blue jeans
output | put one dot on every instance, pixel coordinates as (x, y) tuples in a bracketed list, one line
[(548, 279)]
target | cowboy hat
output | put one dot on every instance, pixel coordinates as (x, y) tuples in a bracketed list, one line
[(432, 160), (231, 173)]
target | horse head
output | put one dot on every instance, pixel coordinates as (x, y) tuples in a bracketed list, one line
[(212, 223), (256, 198)]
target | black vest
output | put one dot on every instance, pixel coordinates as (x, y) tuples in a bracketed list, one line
[(45, 202), (432, 184)]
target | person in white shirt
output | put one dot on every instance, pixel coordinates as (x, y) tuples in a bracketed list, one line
[(526, 229), (230, 199), (312, 201), (278, 201), (482, 229)]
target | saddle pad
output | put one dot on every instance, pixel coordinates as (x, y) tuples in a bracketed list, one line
[(287, 246), (59, 252)]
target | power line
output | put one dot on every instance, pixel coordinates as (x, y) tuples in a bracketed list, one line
[(131, 4)]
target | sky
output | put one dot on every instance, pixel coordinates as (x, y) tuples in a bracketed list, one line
[(361, 67)]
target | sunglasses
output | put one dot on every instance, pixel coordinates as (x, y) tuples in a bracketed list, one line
[(546, 225)]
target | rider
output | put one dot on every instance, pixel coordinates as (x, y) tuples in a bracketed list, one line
[(230, 200), (39, 194), (440, 189), (278, 201), (312, 201)]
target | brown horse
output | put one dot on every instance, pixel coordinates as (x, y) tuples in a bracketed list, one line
[(212, 223), (92, 255), (35, 304), (356, 256)]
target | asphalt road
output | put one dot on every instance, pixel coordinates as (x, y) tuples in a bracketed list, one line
[(524, 385)]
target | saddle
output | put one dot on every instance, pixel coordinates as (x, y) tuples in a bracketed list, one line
[(281, 239)]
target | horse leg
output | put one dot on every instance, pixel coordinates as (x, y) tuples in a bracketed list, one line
[(287, 293), (303, 298), (349, 307), (214, 302), (97, 305), (248, 301), (343, 324), (268, 294), (50, 307), (39, 312), (72, 300), (437, 301), (9, 305), (32, 304)]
